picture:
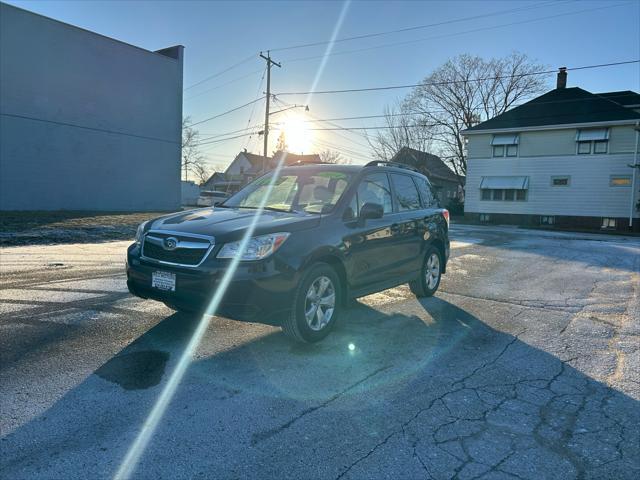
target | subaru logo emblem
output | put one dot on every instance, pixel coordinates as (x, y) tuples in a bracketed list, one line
[(170, 243)]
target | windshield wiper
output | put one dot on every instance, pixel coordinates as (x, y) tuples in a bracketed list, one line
[(273, 209)]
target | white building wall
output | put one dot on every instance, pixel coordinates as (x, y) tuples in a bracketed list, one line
[(589, 193), (239, 165), (86, 122)]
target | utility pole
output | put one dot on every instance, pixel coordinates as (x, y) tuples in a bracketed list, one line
[(266, 111)]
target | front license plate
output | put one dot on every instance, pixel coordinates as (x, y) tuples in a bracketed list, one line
[(164, 281)]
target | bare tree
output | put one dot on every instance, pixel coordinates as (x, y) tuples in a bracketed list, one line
[(402, 131), (281, 144), (193, 162), (331, 156), (467, 90)]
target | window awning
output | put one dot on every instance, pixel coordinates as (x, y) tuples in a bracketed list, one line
[(508, 183), (505, 139), (592, 134)]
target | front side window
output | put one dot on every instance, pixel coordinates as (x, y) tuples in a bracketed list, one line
[(600, 146), (406, 192), (486, 194), (311, 191), (498, 150), (375, 188)]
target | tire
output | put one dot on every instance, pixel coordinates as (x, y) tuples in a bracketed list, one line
[(430, 274), (312, 318)]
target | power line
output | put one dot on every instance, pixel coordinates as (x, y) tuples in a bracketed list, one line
[(449, 82), (416, 27), (250, 74), (481, 29), (228, 111), (215, 75)]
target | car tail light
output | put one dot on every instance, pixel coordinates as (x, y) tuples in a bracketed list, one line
[(445, 214)]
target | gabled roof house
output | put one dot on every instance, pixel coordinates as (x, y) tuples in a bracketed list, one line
[(565, 158), (447, 184)]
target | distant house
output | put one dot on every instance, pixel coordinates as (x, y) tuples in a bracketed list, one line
[(447, 184), (248, 166), (564, 158)]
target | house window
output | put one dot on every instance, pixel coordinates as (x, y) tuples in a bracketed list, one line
[(560, 181), (593, 140), (503, 194), (547, 220), (620, 181), (600, 146), (584, 148), (505, 145), (608, 222)]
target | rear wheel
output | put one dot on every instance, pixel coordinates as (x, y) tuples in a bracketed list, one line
[(429, 281), (316, 305)]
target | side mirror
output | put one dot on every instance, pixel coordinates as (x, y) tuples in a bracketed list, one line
[(371, 210)]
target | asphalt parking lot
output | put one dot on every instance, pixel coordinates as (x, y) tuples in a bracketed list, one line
[(525, 365)]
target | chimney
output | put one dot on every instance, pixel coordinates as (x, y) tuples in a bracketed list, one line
[(562, 78)]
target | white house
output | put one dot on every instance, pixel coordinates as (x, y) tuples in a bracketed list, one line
[(87, 122), (565, 158)]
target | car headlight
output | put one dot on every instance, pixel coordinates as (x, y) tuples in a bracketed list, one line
[(140, 232), (257, 247)]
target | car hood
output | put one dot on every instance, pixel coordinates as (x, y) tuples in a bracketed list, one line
[(227, 224)]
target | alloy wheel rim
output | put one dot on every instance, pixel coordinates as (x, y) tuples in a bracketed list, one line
[(432, 270), (320, 303)]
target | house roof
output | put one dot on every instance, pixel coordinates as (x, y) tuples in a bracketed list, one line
[(623, 97), (563, 106), (431, 165)]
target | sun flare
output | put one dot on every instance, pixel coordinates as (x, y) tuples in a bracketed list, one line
[(297, 136)]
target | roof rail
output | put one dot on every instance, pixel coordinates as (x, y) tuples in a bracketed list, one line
[(375, 163)]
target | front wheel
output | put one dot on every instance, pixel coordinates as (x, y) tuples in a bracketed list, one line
[(316, 305), (429, 281)]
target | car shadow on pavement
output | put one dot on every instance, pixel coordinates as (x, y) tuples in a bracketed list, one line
[(430, 392)]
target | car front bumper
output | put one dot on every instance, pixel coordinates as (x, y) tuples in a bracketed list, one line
[(259, 291)]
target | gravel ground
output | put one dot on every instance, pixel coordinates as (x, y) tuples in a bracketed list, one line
[(524, 365)]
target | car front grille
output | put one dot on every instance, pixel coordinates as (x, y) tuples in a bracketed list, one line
[(189, 251)]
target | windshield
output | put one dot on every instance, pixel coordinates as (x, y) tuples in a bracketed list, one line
[(308, 191)]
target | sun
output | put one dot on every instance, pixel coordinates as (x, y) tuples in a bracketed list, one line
[(297, 136)]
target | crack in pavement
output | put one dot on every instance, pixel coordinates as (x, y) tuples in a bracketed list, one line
[(262, 436)]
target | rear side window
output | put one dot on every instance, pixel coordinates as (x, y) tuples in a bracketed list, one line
[(428, 199), (375, 188), (406, 192)]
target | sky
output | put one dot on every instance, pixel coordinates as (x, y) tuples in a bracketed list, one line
[(219, 35)]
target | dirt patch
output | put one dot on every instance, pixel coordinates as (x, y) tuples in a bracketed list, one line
[(34, 228)]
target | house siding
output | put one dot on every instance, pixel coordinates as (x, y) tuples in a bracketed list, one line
[(86, 122), (622, 139), (479, 146), (589, 192), (545, 143)]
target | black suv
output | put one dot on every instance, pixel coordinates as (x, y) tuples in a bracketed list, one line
[(294, 246)]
